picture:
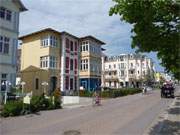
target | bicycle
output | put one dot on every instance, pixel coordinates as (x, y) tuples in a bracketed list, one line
[(96, 99)]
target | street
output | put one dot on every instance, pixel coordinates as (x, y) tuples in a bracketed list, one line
[(130, 115)]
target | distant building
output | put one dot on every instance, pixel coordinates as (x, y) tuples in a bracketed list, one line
[(127, 70), (50, 56), (90, 69), (9, 30)]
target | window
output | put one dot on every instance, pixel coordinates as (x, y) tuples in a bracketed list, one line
[(5, 14), (109, 66), (53, 41), (53, 62), (122, 65), (67, 82), (71, 47), (4, 44), (122, 72), (71, 84), (49, 41), (75, 63), (44, 62), (2, 12), (44, 41), (3, 76), (84, 46), (84, 64), (131, 64), (67, 62), (8, 15), (1, 44), (75, 46), (37, 83), (132, 72), (114, 65), (71, 64), (48, 62), (67, 43), (138, 72)]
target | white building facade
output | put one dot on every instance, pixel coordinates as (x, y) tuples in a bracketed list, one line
[(9, 30), (126, 70)]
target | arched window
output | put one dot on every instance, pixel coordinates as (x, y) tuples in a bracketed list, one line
[(37, 83)]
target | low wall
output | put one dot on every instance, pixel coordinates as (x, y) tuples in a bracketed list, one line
[(70, 100)]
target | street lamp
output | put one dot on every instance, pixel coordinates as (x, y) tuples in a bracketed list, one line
[(7, 84), (44, 84), (23, 83)]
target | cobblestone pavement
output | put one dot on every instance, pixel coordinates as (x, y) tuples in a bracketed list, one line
[(168, 122), (130, 115)]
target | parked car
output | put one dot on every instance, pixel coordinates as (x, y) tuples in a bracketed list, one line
[(167, 90)]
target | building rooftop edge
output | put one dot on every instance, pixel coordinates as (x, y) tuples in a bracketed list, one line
[(22, 7), (92, 37)]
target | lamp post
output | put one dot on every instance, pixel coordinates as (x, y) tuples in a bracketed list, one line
[(23, 83), (7, 84), (44, 84)]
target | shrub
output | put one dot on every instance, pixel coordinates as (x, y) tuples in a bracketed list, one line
[(119, 92), (85, 93), (42, 103), (12, 108), (57, 98)]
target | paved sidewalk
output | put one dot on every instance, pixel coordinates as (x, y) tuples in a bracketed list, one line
[(168, 123)]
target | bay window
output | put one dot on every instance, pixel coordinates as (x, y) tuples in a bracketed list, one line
[(49, 41), (48, 62)]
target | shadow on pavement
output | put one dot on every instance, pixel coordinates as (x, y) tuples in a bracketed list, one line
[(175, 110), (72, 132), (166, 127)]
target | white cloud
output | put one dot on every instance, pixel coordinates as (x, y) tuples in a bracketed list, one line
[(79, 17)]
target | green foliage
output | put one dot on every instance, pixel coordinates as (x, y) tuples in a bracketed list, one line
[(85, 93), (156, 27), (15, 108), (57, 98), (125, 92), (12, 108), (112, 93)]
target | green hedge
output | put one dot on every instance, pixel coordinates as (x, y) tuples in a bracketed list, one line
[(15, 108), (113, 93)]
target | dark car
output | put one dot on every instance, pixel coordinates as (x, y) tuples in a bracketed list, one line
[(167, 90)]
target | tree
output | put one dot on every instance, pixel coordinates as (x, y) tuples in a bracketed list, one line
[(156, 27)]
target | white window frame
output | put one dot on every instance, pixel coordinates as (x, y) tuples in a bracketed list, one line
[(4, 41)]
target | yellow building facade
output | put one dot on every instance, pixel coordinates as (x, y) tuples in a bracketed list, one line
[(40, 61)]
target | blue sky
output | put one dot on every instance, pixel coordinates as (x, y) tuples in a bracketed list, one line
[(80, 17)]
